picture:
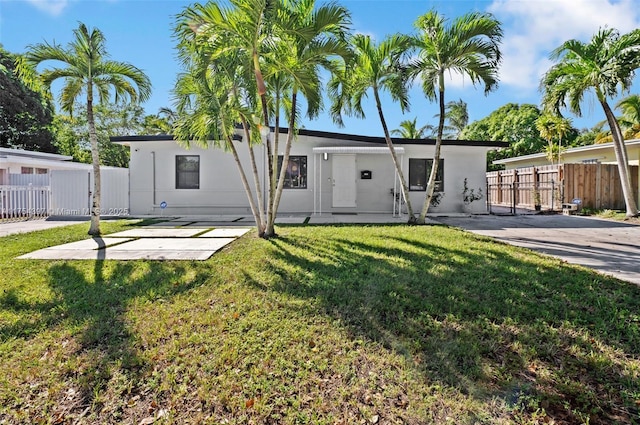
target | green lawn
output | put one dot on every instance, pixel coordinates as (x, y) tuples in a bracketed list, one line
[(324, 325)]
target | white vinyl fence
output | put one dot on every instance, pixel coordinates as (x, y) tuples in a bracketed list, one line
[(64, 193), (24, 201), (71, 192)]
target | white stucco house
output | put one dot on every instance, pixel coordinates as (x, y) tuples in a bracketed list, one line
[(328, 173)]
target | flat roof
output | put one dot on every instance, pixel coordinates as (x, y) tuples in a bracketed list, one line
[(358, 149), (579, 149), (5, 152), (334, 136)]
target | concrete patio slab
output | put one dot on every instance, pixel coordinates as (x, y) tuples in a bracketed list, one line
[(94, 243), (173, 244), (226, 233), (145, 232), (157, 255)]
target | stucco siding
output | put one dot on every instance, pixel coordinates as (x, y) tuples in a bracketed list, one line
[(153, 178)]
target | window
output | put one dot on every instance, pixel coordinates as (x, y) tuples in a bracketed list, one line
[(187, 171), (419, 171), (41, 171), (296, 175), (26, 170)]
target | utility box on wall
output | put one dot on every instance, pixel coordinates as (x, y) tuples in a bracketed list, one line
[(365, 175)]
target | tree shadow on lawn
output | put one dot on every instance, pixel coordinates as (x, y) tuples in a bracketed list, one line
[(98, 350), (479, 317)]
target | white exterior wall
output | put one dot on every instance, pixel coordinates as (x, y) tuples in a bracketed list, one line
[(221, 191)]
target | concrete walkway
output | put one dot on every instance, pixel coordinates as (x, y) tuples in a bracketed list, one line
[(146, 243), (610, 247), (16, 227)]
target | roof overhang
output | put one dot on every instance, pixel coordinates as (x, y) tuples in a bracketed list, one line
[(375, 150)]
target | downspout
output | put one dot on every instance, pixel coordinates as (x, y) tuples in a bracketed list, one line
[(153, 165)]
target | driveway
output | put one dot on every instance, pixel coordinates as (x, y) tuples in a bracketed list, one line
[(610, 247)]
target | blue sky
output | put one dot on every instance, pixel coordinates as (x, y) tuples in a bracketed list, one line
[(140, 32)]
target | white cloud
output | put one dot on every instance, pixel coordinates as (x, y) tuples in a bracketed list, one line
[(52, 7), (532, 29)]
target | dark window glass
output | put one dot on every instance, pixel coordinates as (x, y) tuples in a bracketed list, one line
[(419, 171), (187, 172), (296, 175)]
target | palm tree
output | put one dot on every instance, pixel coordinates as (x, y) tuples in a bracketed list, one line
[(630, 121), (409, 130), (213, 69), (470, 47), (310, 37), (211, 101), (88, 71), (375, 67), (457, 117), (283, 45), (605, 65), (551, 127)]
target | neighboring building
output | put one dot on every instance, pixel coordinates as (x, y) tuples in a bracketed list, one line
[(40, 184), (328, 173), (592, 154), (596, 181), (21, 162)]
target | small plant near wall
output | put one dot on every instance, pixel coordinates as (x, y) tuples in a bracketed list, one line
[(470, 195), (537, 202), (437, 198)]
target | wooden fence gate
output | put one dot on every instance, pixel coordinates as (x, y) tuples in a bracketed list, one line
[(547, 187)]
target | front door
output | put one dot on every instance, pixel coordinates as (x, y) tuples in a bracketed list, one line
[(344, 180)]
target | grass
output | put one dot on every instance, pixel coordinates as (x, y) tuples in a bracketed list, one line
[(616, 215), (324, 325)]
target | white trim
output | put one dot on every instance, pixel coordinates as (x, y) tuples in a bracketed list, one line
[(357, 149)]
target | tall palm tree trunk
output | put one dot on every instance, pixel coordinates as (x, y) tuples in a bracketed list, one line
[(245, 184), (436, 156), (620, 150), (260, 223), (394, 157), (285, 163), (94, 228)]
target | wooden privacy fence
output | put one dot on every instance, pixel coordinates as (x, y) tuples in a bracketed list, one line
[(549, 186)]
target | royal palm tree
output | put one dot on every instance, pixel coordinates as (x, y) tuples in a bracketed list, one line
[(469, 47), (607, 66), (87, 71), (409, 130), (376, 68)]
